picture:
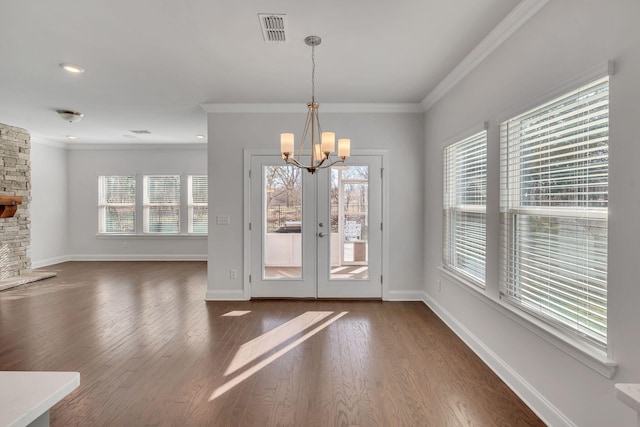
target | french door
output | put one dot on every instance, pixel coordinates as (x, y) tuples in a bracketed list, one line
[(316, 236)]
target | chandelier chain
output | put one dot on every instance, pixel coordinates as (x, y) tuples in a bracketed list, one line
[(313, 81), (313, 73)]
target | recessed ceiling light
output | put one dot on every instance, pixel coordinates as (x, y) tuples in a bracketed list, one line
[(72, 68), (71, 137), (200, 136)]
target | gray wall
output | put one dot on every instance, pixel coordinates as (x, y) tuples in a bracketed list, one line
[(49, 204), (557, 44), (401, 133), (84, 167), (65, 197)]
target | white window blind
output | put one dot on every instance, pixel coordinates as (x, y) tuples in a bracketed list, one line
[(464, 207), (554, 187), (161, 212), (198, 204), (117, 204)]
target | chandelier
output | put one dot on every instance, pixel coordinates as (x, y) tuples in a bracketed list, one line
[(321, 155)]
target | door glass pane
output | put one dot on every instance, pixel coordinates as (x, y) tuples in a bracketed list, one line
[(349, 249), (283, 222)]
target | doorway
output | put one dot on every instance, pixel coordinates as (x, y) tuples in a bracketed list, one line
[(315, 235)]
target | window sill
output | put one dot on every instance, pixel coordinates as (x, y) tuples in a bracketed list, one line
[(473, 284), (581, 351), (150, 236)]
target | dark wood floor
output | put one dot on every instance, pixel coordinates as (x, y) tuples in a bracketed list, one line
[(151, 351)]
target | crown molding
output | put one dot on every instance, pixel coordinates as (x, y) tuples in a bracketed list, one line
[(301, 108), (137, 146), (120, 145), (49, 143), (509, 25)]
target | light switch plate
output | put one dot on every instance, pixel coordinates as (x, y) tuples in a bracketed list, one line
[(223, 220)]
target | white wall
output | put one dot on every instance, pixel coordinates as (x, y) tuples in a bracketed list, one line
[(401, 133), (85, 164), (48, 204), (563, 39)]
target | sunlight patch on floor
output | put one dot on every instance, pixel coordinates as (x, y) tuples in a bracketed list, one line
[(255, 368), (266, 342), (236, 313)]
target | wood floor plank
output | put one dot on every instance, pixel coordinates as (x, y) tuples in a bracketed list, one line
[(151, 352)]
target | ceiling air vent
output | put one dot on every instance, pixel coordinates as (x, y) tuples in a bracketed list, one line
[(140, 131), (274, 27)]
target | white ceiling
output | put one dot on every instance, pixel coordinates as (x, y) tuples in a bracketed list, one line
[(150, 64)]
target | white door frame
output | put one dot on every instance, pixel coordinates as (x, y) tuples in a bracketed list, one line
[(246, 208)]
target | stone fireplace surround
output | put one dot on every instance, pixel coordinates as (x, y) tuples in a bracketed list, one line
[(15, 232)]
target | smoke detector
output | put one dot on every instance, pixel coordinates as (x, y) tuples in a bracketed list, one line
[(70, 116)]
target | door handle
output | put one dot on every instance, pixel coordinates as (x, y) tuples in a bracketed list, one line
[(321, 234)]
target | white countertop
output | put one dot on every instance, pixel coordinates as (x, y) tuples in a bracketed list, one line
[(629, 394), (24, 396)]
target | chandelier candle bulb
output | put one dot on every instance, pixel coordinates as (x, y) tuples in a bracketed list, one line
[(318, 154), (328, 142), (286, 143), (344, 147)]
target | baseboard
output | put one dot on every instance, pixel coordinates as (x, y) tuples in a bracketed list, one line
[(404, 296), (48, 261), (138, 257), (536, 401), (216, 295)]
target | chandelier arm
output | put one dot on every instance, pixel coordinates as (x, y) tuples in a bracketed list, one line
[(304, 134), (318, 119), (312, 112), (338, 160), (333, 162), (292, 161)]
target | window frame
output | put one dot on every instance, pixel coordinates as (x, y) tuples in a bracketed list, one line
[(510, 209), (147, 205), (454, 178), (191, 204), (103, 205)]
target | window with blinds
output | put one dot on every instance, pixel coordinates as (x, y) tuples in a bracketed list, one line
[(198, 204), (161, 204), (554, 187), (464, 207), (117, 204)]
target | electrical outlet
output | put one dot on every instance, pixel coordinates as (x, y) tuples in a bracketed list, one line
[(125, 244), (233, 273)]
